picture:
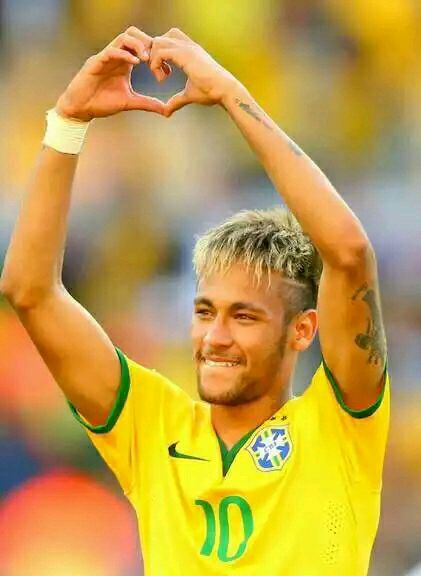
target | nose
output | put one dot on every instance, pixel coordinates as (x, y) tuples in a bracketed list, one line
[(217, 334)]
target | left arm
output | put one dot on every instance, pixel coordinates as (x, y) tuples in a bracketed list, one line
[(351, 329)]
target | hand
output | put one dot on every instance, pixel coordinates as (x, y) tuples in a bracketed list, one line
[(103, 85), (207, 81)]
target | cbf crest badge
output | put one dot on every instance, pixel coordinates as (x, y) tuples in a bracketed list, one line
[(270, 448)]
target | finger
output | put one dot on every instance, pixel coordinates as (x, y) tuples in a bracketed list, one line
[(118, 54), (175, 103), (164, 42), (166, 68), (131, 44), (142, 36), (176, 33), (140, 102), (158, 56)]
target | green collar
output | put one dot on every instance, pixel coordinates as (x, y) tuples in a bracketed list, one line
[(229, 455)]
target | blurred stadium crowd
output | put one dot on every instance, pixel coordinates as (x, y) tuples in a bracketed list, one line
[(343, 79)]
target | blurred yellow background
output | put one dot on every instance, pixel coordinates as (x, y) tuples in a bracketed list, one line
[(343, 79)]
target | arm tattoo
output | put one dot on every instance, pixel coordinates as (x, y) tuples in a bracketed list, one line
[(295, 148), (260, 118), (254, 113), (373, 339)]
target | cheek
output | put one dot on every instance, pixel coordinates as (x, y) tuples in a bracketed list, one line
[(251, 343), (197, 334), (263, 348)]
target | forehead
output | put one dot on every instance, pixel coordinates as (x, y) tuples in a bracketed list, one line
[(239, 285)]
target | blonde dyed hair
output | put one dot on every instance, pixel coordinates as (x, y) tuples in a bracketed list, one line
[(265, 241)]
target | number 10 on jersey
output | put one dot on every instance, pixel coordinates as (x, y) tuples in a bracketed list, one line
[(224, 528)]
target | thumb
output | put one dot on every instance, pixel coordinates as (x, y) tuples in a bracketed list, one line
[(141, 102), (176, 102)]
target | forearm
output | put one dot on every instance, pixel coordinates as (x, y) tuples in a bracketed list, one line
[(34, 259), (325, 217)]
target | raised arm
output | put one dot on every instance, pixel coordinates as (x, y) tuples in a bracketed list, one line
[(350, 322), (351, 330), (75, 348)]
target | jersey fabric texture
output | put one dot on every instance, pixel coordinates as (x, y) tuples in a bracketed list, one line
[(297, 496)]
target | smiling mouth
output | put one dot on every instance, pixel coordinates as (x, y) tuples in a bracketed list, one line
[(219, 363)]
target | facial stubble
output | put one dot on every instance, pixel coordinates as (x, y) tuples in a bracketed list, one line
[(247, 388)]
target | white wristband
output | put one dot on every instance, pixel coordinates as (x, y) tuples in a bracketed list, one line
[(63, 134)]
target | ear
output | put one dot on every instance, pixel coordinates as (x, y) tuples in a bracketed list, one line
[(302, 330)]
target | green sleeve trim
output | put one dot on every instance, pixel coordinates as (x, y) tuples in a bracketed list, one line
[(122, 394), (365, 412)]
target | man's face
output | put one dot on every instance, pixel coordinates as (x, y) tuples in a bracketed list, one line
[(238, 336)]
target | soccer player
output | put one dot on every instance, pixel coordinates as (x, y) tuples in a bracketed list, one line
[(250, 480)]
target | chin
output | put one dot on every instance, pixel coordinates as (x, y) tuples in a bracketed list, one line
[(215, 394), (233, 394)]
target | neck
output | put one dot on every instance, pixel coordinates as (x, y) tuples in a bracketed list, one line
[(231, 423)]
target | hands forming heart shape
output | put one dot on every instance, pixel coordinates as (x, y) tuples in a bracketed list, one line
[(102, 87)]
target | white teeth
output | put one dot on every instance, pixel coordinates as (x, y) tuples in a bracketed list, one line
[(223, 364)]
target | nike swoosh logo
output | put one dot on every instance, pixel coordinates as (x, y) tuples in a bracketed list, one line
[(173, 452)]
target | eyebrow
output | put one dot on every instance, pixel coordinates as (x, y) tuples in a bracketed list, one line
[(201, 300)]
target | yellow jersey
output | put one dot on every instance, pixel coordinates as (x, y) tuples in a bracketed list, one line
[(297, 496)]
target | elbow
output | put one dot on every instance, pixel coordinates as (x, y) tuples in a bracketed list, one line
[(6, 289), (355, 254), (359, 254), (21, 297)]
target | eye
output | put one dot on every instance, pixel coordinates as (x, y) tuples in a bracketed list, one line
[(245, 317), (203, 312)]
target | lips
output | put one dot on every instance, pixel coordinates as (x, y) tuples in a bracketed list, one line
[(220, 362)]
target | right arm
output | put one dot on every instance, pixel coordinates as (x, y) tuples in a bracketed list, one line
[(76, 350)]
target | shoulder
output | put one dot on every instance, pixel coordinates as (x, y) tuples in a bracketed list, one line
[(324, 391), (154, 395)]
